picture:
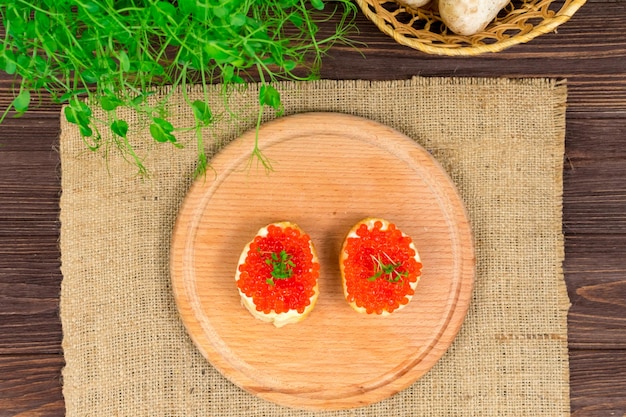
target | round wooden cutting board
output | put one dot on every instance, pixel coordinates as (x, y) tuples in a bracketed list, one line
[(329, 171)]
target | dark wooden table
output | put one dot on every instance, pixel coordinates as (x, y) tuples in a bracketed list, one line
[(589, 51)]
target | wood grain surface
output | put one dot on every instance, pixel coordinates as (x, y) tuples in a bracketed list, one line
[(589, 50), (218, 219)]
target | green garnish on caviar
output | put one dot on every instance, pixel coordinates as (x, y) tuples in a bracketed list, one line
[(388, 271), (282, 266)]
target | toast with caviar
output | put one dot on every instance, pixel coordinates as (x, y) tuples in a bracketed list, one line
[(380, 267), (277, 274)]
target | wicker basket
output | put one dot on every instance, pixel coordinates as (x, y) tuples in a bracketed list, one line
[(422, 29)]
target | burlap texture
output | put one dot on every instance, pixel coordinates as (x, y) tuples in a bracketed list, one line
[(502, 142)]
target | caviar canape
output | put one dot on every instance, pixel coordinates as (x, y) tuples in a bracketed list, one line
[(380, 267), (277, 274)]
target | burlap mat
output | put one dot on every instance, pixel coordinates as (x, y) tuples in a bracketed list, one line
[(502, 141)]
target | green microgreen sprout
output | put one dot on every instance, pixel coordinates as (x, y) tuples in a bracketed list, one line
[(89, 54), (387, 269), (282, 266)]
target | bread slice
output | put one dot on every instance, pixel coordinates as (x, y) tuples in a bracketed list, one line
[(277, 274), (380, 267)]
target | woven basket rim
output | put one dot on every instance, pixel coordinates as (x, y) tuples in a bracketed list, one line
[(547, 25)]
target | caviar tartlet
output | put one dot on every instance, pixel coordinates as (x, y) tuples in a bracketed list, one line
[(380, 267), (277, 274)]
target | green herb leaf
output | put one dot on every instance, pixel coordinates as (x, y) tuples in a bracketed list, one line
[(22, 101), (141, 98), (79, 113), (162, 12), (31, 29), (187, 6), (70, 115), (89, 76), (85, 130), (269, 96), (238, 20), (296, 20), (8, 62), (221, 11), (91, 7), (164, 124), (50, 45), (119, 127), (230, 76), (110, 103), (217, 51), (124, 61), (318, 4), (202, 112), (289, 65), (42, 21), (72, 95), (161, 130), (23, 61)]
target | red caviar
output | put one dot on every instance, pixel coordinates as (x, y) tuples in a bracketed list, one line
[(370, 286), (279, 295)]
